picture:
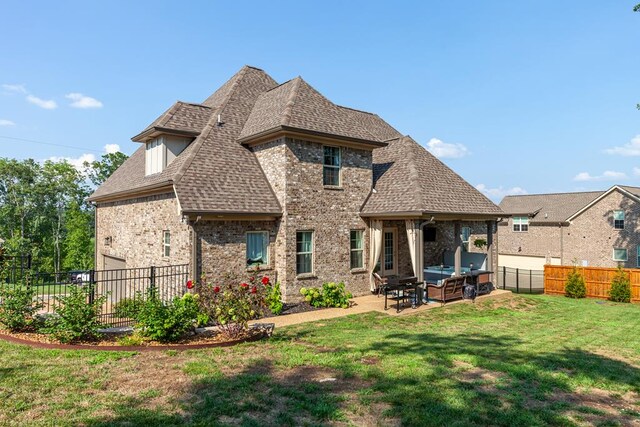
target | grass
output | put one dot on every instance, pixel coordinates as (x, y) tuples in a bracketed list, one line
[(528, 360)]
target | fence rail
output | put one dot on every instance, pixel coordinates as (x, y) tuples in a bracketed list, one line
[(520, 280), (597, 279), (116, 285)]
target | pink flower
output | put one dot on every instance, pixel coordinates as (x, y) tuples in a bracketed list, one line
[(216, 289), (265, 280), (189, 284)]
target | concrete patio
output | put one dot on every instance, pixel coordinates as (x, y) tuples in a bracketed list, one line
[(367, 304)]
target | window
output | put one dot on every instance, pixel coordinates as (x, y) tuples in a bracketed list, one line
[(331, 169), (304, 252), (357, 249), (466, 234), (520, 223), (160, 152), (618, 220), (429, 234), (166, 242), (619, 254), (389, 252), (257, 248)]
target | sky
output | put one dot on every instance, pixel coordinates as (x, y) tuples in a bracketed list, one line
[(518, 97)]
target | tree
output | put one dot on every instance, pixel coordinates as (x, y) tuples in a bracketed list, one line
[(99, 170), (575, 286), (79, 242), (620, 287)]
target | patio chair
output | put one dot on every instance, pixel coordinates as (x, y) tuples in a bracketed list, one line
[(450, 289), (380, 283)]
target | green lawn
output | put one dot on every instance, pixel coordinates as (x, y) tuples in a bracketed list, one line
[(529, 360)]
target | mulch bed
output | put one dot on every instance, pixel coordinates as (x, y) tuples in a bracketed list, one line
[(109, 342)]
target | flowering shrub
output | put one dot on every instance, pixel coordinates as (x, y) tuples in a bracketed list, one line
[(331, 295), (230, 304)]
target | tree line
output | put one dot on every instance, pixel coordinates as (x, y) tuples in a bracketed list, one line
[(44, 211)]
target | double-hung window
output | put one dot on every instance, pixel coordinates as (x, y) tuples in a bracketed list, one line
[(466, 235), (619, 254), (618, 220), (357, 249), (166, 243), (304, 252), (331, 166), (257, 248), (520, 223)]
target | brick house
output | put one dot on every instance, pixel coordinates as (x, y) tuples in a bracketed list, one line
[(277, 177), (595, 228)]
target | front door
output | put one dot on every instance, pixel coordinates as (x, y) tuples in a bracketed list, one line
[(389, 252)]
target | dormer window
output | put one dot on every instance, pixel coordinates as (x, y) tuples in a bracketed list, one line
[(160, 152)]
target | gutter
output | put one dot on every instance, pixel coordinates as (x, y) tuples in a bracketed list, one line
[(134, 191)]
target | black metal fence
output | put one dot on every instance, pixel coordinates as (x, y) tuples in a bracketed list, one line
[(13, 268), (115, 285), (521, 280)]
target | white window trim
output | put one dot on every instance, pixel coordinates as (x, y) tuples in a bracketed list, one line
[(520, 223), (351, 250), (623, 219), (246, 239), (166, 246), (339, 167), (393, 271), (313, 253), (465, 243), (626, 258)]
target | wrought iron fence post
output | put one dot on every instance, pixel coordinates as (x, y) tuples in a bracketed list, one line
[(92, 286), (152, 279), (504, 277), (530, 281), (517, 280)]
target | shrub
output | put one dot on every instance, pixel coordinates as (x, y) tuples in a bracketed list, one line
[(230, 303), (575, 286), (331, 295), (17, 307), (129, 307), (131, 340), (620, 287), (166, 322), (274, 298), (75, 317)]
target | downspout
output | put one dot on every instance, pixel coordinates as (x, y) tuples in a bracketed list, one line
[(194, 249), (561, 244), (95, 239)]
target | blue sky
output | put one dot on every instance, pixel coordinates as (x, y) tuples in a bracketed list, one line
[(515, 96)]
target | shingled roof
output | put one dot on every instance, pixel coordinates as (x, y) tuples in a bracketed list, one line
[(409, 179), (216, 174), (554, 207), (295, 105)]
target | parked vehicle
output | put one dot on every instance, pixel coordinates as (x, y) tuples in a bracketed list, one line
[(78, 277)]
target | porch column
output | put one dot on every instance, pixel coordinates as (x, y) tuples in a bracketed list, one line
[(457, 260), (490, 265)]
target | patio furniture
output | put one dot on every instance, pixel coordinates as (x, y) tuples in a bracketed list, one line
[(447, 290), (481, 279), (402, 290)]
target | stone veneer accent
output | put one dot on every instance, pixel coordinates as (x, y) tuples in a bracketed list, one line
[(590, 236), (135, 227), (445, 241)]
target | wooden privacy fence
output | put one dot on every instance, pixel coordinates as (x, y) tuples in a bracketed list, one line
[(597, 279)]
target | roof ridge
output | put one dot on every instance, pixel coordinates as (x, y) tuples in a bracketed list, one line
[(291, 100), (413, 172), (195, 104), (207, 129), (555, 194), (355, 109)]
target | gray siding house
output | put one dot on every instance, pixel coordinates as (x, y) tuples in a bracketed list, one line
[(277, 177), (596, 228)]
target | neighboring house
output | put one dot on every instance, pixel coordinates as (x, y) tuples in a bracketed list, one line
[(279, 178), (595, 228)]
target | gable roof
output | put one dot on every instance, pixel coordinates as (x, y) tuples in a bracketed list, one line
[(557, 207), (295, 105), (407, 178)]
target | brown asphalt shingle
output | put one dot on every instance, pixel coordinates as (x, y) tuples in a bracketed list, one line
[(407, 178)]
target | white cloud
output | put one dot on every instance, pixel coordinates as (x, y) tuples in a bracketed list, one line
[(446, 150), (111, 148), (606, 176), (15, 88), (496, 194), (76, 162), (82, 101), (5, 122), (632, 148), (42, 103)]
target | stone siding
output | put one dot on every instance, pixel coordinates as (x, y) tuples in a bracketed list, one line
[(445, 242), (590, 237), (135, 229)]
